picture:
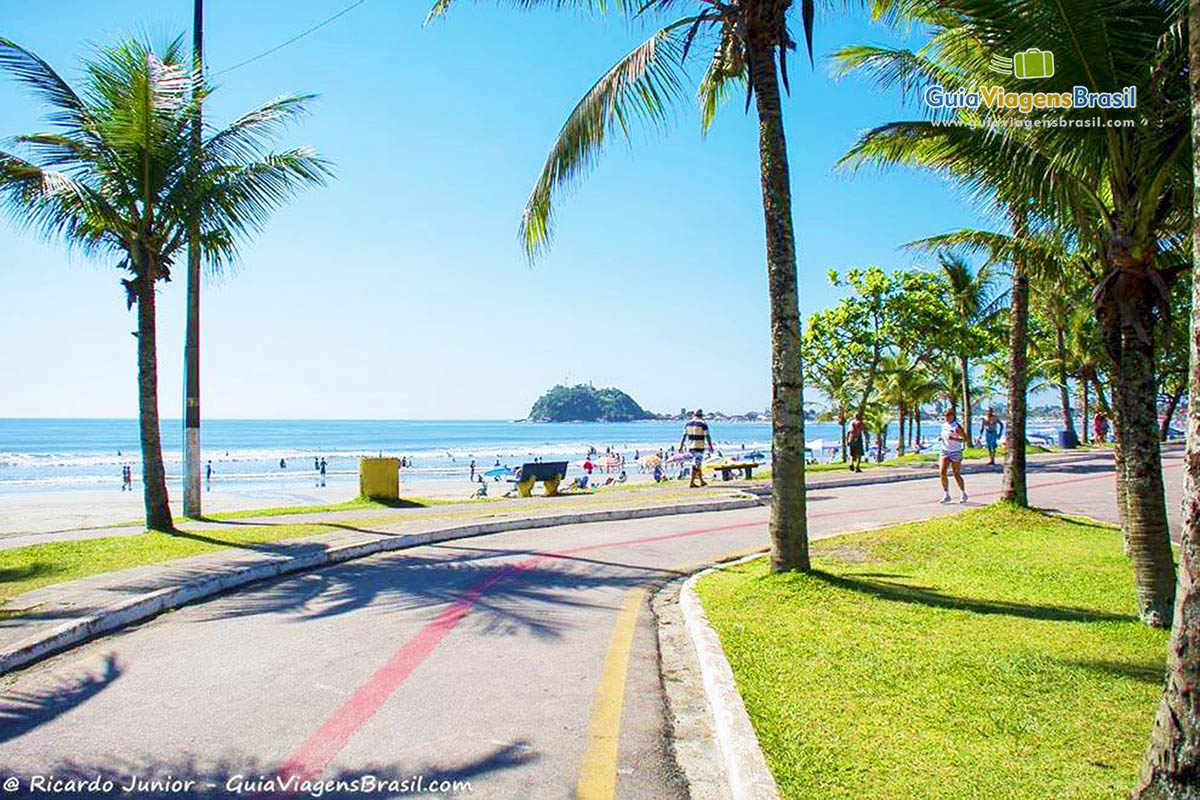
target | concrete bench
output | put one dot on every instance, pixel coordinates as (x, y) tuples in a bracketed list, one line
[(727, 470), (550, 473)]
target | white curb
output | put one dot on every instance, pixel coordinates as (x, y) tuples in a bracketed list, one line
[(749, 776), (145, 606)]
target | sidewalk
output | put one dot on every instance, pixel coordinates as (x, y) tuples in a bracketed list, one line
[(52, 618)]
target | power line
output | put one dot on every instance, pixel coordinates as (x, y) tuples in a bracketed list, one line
[(295, 38)]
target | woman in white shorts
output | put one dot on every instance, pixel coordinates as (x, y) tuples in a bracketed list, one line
[(953, 439)]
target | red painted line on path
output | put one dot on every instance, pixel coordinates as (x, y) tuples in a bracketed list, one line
[(315, 754)]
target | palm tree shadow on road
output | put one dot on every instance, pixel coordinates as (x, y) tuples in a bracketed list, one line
[(526, 598)]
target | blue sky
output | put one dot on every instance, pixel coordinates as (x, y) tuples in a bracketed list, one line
[(400, 290)]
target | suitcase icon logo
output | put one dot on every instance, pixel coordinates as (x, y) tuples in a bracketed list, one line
[(1028, 65)]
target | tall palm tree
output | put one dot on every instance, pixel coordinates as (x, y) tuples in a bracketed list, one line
[(1121, 189), (835, 381), (1172, 762), (1057, 301), (115, 178), (973, 302), (751, 41)]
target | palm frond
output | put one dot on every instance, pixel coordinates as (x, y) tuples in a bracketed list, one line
[(726, 73), (247, 136), (641, 86)]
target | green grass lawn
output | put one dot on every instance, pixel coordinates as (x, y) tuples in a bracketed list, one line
[(992, 654), (26, 568)]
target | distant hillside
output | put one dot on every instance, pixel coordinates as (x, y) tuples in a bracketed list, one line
[(585, 403)]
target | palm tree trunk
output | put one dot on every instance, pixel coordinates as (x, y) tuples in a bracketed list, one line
[(1014, 488), (1171, 767), (966, 398), (154, 475), (1083, 387), (1146, 527), (789, 523), (1064, 395), (1172, 406), (900, 441), (843, 439)]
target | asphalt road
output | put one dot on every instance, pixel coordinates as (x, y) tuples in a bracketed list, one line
[(524, 662)]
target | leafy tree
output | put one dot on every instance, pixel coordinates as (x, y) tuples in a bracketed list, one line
[(115, 178), (883, 313)]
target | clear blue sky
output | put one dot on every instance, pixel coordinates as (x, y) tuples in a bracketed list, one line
[(400, 290)]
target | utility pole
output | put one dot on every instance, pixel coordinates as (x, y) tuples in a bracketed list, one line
[(191, 349)]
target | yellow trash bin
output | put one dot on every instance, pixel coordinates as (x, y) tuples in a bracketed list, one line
[(379, 478)]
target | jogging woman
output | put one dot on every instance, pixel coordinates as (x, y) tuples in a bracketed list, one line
[(953, 439)]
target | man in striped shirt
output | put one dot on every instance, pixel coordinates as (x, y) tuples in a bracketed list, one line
[(695, 439)]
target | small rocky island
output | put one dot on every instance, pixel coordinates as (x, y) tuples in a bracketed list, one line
[(586, 403)]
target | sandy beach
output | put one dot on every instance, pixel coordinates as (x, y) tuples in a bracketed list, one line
[(47, 512)]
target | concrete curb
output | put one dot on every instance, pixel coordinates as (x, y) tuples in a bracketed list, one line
[(746, 767), (150, 604)]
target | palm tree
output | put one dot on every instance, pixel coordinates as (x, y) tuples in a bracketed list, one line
[(752, 39), (1120, 189), (1056, 300), (972, 299), (878, 419), (116, 178), (1169, 768), (834, 380)]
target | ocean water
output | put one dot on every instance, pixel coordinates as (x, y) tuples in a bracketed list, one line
[(72, 454)]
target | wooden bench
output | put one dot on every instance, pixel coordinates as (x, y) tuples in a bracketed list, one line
[(727, 470), (550, 473)]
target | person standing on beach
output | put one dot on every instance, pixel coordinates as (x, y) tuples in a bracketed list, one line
[(208, 472), (953, 439), (323, 465), (990, 429), (472, 470), (695, 438), (854, 441)]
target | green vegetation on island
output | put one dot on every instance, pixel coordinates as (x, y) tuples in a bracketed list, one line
[(586, 403)]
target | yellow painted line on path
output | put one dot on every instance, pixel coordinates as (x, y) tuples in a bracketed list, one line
[(598, 778)]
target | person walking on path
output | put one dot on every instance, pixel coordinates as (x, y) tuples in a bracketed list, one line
[(1100, 428), (854, 440), (696, 439), (990, 428), (953, 439)]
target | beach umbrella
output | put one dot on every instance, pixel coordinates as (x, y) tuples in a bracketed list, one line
[(679, 458), (610, 461), (651, 461)]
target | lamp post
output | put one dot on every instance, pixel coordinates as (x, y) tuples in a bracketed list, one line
[(191, 349)]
